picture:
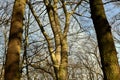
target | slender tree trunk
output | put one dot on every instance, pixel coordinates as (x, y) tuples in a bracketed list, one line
[(60, 60), (59, 54), (12, 71), (106, 45), (63, 70)]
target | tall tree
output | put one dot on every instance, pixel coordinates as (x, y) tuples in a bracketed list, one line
[(106, 45), (59, 51), (12, 71), (61, 59), (59, 55)]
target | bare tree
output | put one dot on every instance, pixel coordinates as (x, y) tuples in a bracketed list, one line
[(59, 51)]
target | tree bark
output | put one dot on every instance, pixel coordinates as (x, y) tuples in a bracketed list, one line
[(60, 59), (12, 71), (106, 45), (63, 70)]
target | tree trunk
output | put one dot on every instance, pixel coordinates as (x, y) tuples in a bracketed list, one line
[(106, 45), (60, 58), (63, 70), (12, 71)]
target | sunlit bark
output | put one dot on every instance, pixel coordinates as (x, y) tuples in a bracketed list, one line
[(12, 71), (59, 52)]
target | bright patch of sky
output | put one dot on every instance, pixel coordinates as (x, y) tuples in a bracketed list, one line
[(111, 10)]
